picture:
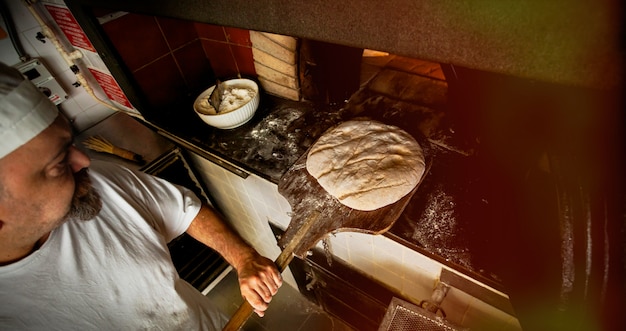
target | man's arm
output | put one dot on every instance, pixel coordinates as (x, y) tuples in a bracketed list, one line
[(259, 279)]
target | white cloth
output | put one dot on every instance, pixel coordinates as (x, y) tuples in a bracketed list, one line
[(113, 272), (24, 110)]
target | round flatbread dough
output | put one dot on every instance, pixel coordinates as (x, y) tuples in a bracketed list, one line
[(366, 164)]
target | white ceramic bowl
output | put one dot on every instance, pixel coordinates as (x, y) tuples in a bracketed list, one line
[(233, 118)]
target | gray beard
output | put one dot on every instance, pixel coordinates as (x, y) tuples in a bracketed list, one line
[(86, 202)]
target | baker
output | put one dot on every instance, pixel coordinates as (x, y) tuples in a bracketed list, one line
[(83, 244)]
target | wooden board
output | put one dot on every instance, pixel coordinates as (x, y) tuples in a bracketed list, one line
[(305, 195), (315, 213)]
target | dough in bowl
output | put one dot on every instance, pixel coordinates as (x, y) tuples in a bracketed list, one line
[(366, 164)]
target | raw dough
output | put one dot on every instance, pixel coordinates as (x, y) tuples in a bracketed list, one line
[(234, 97), (366, 164)]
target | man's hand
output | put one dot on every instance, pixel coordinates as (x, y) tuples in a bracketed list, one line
[(259, 280)]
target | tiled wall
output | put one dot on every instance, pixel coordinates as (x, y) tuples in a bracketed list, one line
[(188, 56), (168, 57), (251, 203), (248, 204), (80, 107), (228, 49)]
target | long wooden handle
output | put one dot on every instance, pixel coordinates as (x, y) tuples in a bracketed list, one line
[(282, 261)]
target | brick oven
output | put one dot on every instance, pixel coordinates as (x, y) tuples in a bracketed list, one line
[(520, 104)]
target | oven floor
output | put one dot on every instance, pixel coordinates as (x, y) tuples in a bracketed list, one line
[(289, 309)]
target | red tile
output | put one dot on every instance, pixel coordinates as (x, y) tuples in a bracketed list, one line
[(211, 32), (221, 58), (161, 82), (137, 38), (195, 66), (177, 32), (245, 60), (238, 36)]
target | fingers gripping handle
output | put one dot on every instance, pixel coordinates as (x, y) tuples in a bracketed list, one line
[(245, 310)]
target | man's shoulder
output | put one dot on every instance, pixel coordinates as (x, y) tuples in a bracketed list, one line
[(107, 174), (102, 166), (110, 175), (107, 170)]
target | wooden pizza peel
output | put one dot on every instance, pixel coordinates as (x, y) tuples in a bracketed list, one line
[(315, 214)]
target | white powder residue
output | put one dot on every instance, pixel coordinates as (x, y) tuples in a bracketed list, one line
[(438, 229), (275, 137)]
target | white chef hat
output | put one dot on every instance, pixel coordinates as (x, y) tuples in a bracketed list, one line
[(24, 110)]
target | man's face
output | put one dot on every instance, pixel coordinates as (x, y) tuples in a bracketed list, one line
[(39, 183)]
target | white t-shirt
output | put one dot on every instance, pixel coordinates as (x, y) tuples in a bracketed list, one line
[(113, 272)]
